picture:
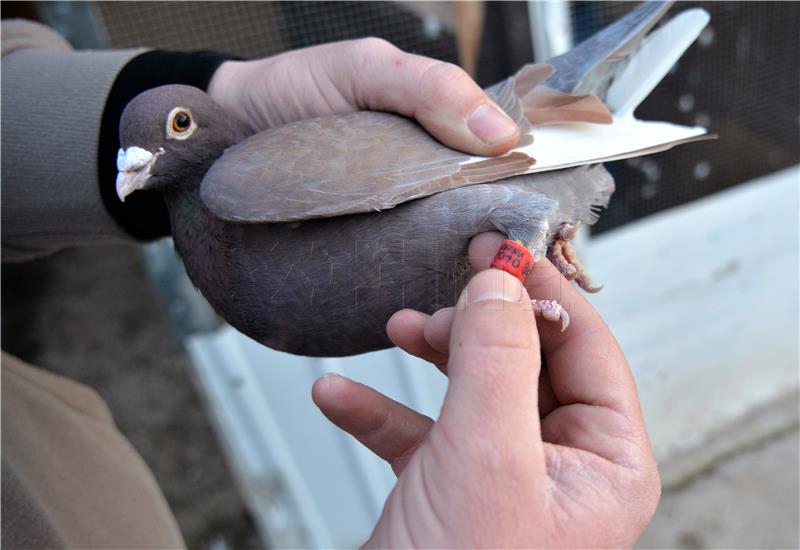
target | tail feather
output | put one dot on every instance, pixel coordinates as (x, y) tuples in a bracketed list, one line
[(529, 103), (612, 71), (652, 61), (545, 105), (592, 65)]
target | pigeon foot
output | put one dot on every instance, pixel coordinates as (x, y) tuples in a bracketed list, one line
[(552, 311), (563, 255)]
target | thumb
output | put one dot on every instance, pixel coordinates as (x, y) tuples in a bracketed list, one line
[(457, 112), (440, 96), (494, 364)]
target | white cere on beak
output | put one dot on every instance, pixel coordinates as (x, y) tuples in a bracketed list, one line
[(132, 159), (134, 165)]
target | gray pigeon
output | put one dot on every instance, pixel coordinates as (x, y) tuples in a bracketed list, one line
[(308, 237)]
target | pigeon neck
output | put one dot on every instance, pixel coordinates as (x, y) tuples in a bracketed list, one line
[(191, 222), (185, 206), (198, 237)]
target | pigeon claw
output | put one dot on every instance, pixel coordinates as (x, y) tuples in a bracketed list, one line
[(585, 282), (552, 311), (563, 255)]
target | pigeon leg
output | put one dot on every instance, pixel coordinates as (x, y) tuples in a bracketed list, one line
[(563, 255), (552, 311)]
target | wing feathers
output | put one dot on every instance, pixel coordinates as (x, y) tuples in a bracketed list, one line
[(347, 164), (495, 168)]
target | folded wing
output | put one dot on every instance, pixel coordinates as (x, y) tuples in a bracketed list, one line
[(370, 161), (347, 164)]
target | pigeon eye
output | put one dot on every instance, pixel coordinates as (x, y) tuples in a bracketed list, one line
[(180, 124)]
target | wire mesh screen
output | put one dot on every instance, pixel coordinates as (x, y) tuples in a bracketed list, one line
[(740, 80), (253, 29)]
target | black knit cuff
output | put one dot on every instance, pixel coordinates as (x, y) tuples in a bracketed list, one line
[(143, 214)]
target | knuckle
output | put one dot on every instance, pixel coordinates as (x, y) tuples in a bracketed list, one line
[(441, 72), (439, 79), (376, 47)]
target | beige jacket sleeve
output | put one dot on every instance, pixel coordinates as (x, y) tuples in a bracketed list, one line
[(69, 477), (52, 103)]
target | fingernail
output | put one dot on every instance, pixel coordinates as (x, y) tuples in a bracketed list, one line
[(494, 284), (490, 124)]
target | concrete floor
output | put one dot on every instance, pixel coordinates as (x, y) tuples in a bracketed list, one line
[(92, 315), (749, 500)]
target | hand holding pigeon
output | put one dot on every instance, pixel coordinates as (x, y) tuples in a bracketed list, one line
[(362, 75), (521, 455)]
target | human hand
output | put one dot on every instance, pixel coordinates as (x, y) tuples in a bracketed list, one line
[(366, 74), (523, 454)]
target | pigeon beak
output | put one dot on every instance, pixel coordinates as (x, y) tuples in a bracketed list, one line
[(134, 165)]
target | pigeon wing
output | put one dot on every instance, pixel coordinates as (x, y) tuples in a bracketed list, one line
[(347, 164)]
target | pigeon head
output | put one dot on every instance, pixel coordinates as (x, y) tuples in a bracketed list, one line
[(169, 137)]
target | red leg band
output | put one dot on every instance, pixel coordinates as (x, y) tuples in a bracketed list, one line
[(514, 258)]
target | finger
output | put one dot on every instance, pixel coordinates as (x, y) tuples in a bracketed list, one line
[(421, 335), (585, 363), (437, 329), (594, 405), (387, 428), (599, 407), (482, 249), (406, 330), (437, 334), (365, 74), (494, 367), (441, 96)]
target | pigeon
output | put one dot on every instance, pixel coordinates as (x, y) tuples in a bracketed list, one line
[(309, 236)]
